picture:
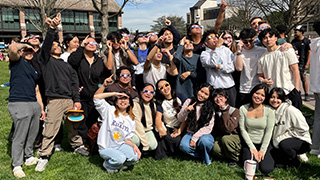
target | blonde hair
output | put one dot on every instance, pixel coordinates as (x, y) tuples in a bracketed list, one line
[(117, 112)]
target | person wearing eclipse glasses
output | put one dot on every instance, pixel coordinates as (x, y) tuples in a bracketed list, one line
[(118, 53), (247, 57), (62, 92), (91, 72)]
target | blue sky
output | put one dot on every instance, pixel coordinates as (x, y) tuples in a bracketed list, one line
[(141, 16)]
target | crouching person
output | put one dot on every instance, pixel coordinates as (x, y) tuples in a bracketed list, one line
[(116, 131), (226, 129)]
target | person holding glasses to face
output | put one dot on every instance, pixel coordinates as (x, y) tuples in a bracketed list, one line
[(168, 106), (144, 111), (218, 61), (91, 72), (124, 76), (152, 37), (247, 58), (118, 53)]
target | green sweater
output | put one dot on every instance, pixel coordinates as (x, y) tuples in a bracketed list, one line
[(259, 130)]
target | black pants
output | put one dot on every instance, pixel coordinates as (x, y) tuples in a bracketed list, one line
[(288, 151), (232, 93), (167, 146), (90, 117), (266, 165), (295, 98)]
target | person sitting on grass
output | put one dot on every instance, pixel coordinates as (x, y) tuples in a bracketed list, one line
[(144, 111), (198, 114), (291, 137), (116, 131), (226, 129)]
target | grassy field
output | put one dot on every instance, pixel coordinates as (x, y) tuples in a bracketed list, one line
[(66, 165)]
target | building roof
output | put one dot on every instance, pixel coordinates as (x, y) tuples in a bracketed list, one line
[(82, 5), (198, 4)]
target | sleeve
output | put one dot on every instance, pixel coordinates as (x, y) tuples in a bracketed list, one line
[(178, 55), (176, 35), (136, 110), (260, 70), (46, 46), (103, 107), (268, 130), (75, 57), (183, 114), (298, 122), (227, 67), (209, 60), (75, 86), (243, 131), (230, 123), (193, 68), (159, 108), (291, 56), (308, 44), (204, 130)]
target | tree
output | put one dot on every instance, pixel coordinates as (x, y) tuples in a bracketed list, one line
[(102, 7), (40, 8), (177, 21)]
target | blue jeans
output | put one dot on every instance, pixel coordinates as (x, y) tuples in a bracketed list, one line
[(203, 148), (116, 158)]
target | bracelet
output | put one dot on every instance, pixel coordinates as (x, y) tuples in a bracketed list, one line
[(157, 45), (239, 53), (127, 49), (260, 81)]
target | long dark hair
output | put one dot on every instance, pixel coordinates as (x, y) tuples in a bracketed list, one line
[(280, 92), (206, 110), (256, 88), (151, 104), (160, 97)]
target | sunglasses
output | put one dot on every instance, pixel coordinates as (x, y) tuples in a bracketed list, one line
[(263, 28), (36, 36), (92, 43), (125, 35), (119, 41), (143, 35), (57, 44), (255, 23), (226, 38), (195, 26), (150, 92), (125, 75), (210, 37), (164, 86), (188, 42), (248, 42), (152, 34)]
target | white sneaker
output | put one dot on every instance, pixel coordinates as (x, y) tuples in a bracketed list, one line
[(18, 172), (31, 161), (315, 152), (57, 147), (319, 156), (303, 157), (41, 166)]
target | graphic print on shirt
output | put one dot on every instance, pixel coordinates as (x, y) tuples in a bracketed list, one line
[(119, 130)]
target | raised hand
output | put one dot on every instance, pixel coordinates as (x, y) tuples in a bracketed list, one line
[(108, 80), (223, 5), (85, 42), (167, 22), (183, 40), (191, 107), (239, 46), (109, 45)]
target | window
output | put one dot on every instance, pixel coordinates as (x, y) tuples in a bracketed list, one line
[(81, 21), (10, 18), (210, 14), (113, 23), (67, 20), (34, 16), (97, 21)]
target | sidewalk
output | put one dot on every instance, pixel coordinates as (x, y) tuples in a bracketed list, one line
[(311, 103)]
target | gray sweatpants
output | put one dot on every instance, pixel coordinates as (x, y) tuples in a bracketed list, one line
[(25, 116)]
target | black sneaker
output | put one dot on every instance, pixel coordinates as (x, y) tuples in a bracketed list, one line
[(306, 97), (81, 150)]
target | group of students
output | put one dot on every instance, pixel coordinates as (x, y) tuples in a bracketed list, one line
[(165, 95)]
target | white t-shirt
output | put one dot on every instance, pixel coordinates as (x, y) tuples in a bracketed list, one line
[(314, 65), (153, 75), (117, 59), (249, 74), (169, 113), (115, 130), (275, 65), (65, 56)]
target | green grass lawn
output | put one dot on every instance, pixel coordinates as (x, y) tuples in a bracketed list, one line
[(66, 165)]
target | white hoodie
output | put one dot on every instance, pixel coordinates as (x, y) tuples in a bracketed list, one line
[(289, 123), (314, 65)]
